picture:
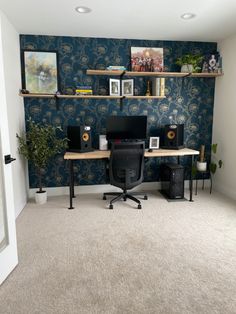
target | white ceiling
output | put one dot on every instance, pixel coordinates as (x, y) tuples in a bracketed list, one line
[(134, 19)]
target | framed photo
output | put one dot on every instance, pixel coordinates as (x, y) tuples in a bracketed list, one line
[(127, 87), (154, 142), (40, 72), (145, 59), (114, 87)]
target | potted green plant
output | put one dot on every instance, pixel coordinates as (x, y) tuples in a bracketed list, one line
[(39, 144), (190, 63), (215, 163), (201, 163)]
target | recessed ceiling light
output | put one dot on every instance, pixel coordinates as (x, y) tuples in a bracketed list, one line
[(188, 16), (83, 9)]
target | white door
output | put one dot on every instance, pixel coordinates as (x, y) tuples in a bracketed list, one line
[(8, 249)]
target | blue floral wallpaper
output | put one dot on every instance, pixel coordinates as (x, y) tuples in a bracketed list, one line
[(189, 100)]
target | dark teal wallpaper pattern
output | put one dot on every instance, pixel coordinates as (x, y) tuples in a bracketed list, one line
[(189, 100)]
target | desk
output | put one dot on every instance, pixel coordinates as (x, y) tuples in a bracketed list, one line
[(99, 154)]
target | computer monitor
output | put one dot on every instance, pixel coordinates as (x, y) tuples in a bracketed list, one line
[(126, 127)]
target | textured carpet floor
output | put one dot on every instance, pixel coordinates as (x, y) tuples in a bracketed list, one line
[(166, 258)]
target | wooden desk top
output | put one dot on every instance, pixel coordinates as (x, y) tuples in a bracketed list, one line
[(102, 154)]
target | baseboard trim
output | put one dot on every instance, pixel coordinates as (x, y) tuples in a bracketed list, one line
[(101, 188)]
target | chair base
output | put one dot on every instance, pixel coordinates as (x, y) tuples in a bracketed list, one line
[(124, 195)]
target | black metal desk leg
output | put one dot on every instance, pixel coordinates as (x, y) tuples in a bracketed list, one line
[(71, 184), (191, 180)]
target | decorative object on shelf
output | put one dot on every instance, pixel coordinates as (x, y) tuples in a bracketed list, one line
[(39, 144), (154, 143), (114, 87), (116, 68), (215, 163), (212, 64), (68, 91), (190, 63), (148, 92), (147, 59), (24, 91), (103, 144), (156, 86), (84, 90), (40, 72), (201, 163), (127, 87), (162, 86)]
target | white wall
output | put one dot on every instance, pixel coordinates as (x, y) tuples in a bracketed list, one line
[(15, 107), (224, 124)]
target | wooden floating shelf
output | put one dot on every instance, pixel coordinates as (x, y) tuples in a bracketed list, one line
[(38, 95), (89, 96), (145, 97), (104, 72), (156, 74), (206, 74), (152, 74)]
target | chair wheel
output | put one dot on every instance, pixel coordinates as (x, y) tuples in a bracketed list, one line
[(110, 206), (125, 199), (139, 206), (145, 197), (104, 197)]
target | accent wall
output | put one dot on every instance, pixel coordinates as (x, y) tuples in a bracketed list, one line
[(188, 100)]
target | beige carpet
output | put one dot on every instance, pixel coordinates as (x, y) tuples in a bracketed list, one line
[(166, 258)]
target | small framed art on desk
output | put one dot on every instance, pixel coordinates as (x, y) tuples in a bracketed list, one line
[(154, 142)]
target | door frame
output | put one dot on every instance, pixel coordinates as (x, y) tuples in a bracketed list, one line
[(8, 256)]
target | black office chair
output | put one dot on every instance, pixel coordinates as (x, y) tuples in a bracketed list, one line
[(126, 170)]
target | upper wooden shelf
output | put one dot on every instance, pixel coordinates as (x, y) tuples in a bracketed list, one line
[(205, 74), (104, 72), (153, 74)]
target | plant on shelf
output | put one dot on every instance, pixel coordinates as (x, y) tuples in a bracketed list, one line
[(215, 163), (190, 63), (39, 144)]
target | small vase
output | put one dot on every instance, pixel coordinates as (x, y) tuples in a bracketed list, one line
[(187, 68), (201, 166), (41, 197)]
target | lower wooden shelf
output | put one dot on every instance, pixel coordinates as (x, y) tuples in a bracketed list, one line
[(89, 96)]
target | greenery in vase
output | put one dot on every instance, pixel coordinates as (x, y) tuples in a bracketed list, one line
[(194, 60), (39, 144)]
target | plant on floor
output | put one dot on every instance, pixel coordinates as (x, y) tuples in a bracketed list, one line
[(215, 163), (39, 144), (201, 163), (190, 63)]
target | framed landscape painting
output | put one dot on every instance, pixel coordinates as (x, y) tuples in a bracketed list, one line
[(145, 59), (40, 72)]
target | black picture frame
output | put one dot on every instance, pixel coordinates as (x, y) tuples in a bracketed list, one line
[(40, 71)]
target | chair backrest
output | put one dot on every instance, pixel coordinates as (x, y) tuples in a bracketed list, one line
[(126, 164)]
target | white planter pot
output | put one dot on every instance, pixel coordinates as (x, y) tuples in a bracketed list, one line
[(201, 166), (41, 198), (187, 68)]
